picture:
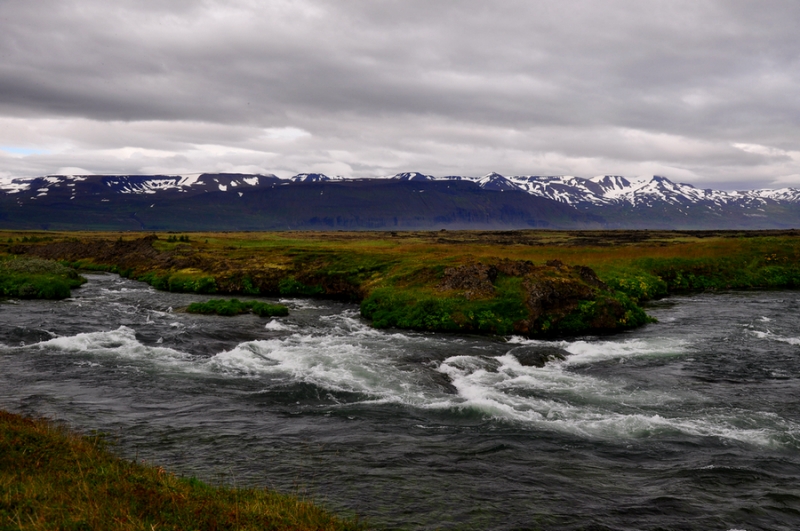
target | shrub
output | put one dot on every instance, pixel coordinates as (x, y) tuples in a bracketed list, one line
[(248, 288), (639, 285)]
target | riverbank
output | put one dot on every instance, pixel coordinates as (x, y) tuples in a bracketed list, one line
[(34, 278), (53, 478), (530, 283)]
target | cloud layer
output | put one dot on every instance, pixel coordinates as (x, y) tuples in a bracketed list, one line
[(700, 91)]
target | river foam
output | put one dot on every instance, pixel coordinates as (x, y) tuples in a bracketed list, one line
[(349, 356)]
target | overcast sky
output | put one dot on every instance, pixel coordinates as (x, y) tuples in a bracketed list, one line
[(704, 92)]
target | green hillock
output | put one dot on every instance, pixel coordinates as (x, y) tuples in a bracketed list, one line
[(236, 307)]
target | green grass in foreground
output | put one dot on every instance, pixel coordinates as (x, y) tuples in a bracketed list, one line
[(237, 307), (34, 278), (51, 478)]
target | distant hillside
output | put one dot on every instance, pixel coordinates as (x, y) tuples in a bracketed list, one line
[(409, 200), (258, 202)]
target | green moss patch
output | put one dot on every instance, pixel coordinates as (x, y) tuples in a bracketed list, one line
[(236, 307)]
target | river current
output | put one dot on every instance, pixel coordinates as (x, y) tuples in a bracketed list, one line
[(689, 423)]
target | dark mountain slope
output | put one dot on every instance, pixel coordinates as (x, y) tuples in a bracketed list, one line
[(280, 205)]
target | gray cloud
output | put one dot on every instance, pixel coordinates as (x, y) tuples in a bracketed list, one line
[(702, 91)]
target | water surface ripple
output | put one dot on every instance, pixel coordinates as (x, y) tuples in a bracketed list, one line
[(691, 423)]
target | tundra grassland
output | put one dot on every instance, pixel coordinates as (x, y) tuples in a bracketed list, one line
[(52, 478), (534, 283)]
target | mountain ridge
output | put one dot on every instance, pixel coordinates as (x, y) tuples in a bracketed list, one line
[(612, 201)]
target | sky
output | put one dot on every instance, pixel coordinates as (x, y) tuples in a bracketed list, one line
[(705, 92)]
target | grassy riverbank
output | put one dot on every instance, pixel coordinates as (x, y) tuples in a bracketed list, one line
[(34, 278), (534, 283), (51, 478)]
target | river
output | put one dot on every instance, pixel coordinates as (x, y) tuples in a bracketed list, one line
[(689, 423)]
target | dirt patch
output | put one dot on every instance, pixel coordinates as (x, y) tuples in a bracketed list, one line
[(125, 254)]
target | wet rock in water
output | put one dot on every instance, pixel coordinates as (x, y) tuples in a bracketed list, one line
[(538, 356), (444, 382)]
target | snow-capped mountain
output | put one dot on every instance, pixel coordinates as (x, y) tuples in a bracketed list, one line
[(645, 191), (265, 202), (651, 201), (612, 200), (103, 185), (413, 176), (656, 202), (788, 195), (603, 190), (314, 178)]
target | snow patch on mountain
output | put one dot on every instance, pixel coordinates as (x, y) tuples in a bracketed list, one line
[(314, 178)]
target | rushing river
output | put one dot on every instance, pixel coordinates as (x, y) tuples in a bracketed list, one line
[(691, 423)]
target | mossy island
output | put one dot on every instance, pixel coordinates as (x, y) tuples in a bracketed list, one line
[(232, 307), (531, 283)]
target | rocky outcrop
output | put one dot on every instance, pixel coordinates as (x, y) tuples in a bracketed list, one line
[(538, 356), (474, 280)]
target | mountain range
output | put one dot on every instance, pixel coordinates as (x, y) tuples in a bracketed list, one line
[(406, 201)]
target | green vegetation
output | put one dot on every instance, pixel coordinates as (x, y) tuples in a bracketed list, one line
[(34, 278), (180, 282), (53, 479), (291, 287), (421, 309), (764, 263), (548, 300), (237, 307), (468, 281)]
